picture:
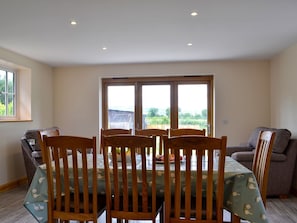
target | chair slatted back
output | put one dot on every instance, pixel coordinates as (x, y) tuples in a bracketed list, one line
[(54, 131), (186, 131), (198, 198), (261, 162), (159, 133), (110, 132), (130, 187), (70, 178)]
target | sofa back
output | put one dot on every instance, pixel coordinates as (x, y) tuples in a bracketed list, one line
[(281, 140)]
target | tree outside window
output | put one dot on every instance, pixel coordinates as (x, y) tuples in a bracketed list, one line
[(7, 93)]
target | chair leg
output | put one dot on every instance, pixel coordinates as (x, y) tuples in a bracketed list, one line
[(161, 215), (108, 218), (235, 219)]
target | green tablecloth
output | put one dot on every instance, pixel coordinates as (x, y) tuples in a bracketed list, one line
[(241, 195)]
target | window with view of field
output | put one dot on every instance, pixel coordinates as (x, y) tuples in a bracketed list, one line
[(172, 102)]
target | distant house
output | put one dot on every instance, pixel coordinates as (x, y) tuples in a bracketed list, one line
[(120, 119)]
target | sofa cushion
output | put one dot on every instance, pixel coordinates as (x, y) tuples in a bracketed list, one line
[(254, 136), (248, 156), (278, 157), (281, 140)]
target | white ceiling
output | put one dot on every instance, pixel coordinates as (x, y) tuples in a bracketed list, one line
[(137, 31)]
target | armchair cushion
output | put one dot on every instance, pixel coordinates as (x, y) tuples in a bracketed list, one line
[(277, 157), (248, 156), (281, 140)]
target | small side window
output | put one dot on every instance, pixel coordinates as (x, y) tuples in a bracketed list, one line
[(15, 92), (7, 94)]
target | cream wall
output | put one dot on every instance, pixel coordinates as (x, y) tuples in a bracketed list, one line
[(242, 94), (11, 159), (284, 93), (284, 90)]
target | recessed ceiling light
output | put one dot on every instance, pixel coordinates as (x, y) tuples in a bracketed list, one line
[(194, 13), (189, 44), (104, 48), (73, 22)]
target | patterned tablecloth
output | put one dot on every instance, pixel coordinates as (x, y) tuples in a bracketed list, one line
[(241, 195)]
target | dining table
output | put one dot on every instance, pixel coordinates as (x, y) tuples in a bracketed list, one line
[(241, 193)]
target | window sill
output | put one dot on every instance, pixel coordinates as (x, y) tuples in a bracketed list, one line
[(15, 120)]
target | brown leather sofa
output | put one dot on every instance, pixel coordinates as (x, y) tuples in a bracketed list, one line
[(32, 147), (282, 160)]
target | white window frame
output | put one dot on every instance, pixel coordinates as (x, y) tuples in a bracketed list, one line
[(22, 90), (6, 116)]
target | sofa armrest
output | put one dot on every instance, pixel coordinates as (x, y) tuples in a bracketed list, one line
[(233, 149), (244, 156), (30, 162)]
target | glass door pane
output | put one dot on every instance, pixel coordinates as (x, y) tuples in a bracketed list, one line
[(156, 106), (192, 106), (121, 106)]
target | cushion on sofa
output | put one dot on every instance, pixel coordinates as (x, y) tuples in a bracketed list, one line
[(278, 157), (281, 140), (254, 136)]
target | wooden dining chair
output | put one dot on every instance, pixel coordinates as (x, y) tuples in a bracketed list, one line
[(109, 132), (72, 179), (261, 164), (131, 184), (194, 187), (186, 131), (261, 161), (159, 133)]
